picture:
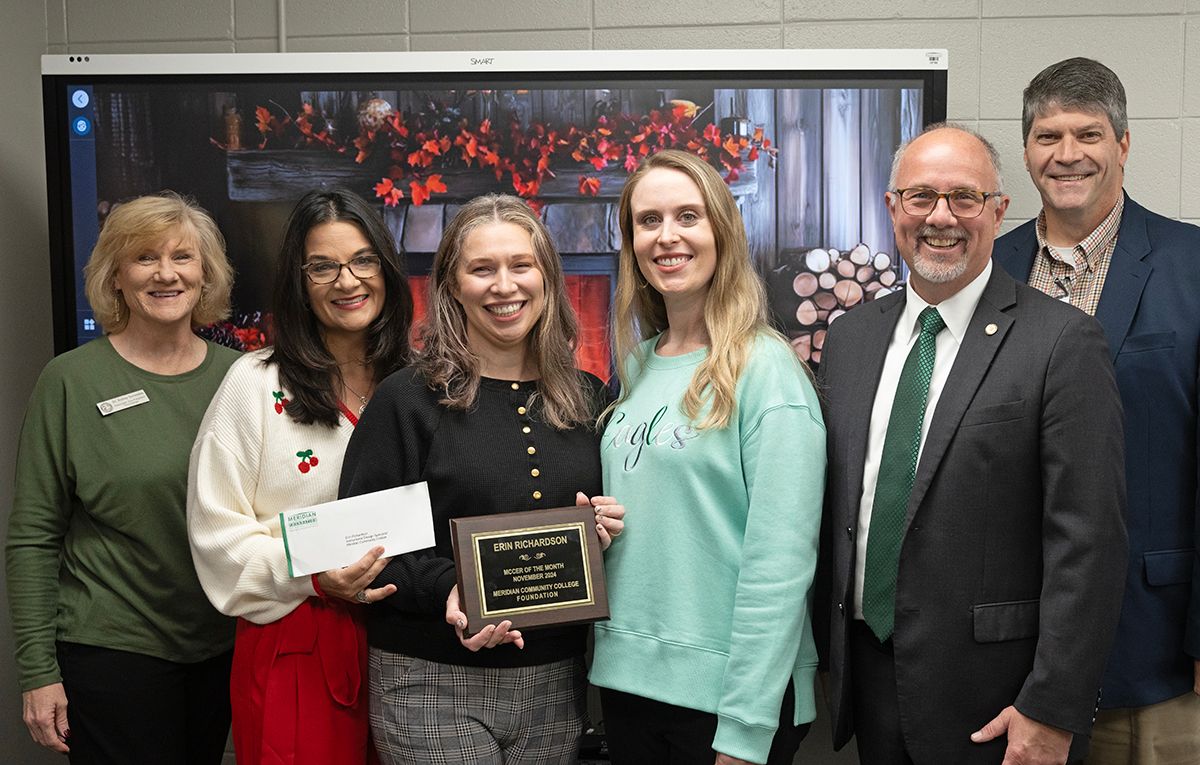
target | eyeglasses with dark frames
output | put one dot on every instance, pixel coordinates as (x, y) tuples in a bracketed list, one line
[(329, 271), (964, 203)]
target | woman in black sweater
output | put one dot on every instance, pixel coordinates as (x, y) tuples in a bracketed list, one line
[(495, 417)]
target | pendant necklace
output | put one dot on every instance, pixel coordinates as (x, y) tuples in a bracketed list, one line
[(361, 397)]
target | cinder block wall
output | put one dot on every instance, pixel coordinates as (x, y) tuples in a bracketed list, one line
[(995, 47)]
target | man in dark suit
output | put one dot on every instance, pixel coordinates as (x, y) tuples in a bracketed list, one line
[(1139, 274), (974, 496)]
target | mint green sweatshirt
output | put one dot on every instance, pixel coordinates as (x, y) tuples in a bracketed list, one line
[(710, 583)]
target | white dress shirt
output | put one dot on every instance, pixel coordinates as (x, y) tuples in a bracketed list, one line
[(956, 312)]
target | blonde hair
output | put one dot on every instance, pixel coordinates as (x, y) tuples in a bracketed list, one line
[(143, 223), (735, 311), (446, 359)]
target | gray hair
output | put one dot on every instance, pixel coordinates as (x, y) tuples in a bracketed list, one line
[(1076, 83), (993, 155)]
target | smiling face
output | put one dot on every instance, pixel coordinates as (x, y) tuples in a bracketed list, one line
[(349, 304), (943, 252), (161, 284), (1077, 163), (498, 282), (672, 236)]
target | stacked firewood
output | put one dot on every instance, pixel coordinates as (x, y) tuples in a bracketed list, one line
[(824, 285)]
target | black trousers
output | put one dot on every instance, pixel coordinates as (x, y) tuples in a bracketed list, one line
[(874, 698), (127, 708), (641, 731)]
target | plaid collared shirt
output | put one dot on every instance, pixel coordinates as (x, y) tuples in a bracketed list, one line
[(1080, 279)]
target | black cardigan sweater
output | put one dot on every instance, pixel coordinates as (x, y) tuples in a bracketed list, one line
[(477, 462)]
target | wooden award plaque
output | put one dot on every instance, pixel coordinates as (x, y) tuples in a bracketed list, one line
[(535, 568)]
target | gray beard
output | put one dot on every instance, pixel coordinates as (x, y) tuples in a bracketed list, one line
[(936, 272)]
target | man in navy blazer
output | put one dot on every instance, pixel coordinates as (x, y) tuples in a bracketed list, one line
[(1139, 274), (974, 495)]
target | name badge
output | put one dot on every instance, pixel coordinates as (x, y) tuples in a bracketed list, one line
[(125, 401)]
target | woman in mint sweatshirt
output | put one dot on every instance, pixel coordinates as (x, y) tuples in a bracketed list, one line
[(717, 448)]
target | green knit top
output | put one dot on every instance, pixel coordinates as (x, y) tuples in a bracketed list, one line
[(97, 548)]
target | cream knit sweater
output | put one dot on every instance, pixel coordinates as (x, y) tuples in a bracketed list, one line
[(250, 462)]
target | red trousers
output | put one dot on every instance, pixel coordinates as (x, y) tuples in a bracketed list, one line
[(298, 688)]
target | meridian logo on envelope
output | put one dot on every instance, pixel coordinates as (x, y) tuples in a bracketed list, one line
[(301, 520)]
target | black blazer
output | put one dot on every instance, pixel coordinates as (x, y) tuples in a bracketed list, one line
[(1150, 311), (1007, 592)]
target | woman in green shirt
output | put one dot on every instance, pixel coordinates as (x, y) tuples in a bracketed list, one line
[(120, 656)]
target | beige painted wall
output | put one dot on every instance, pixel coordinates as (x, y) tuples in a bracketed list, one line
[(995, 47), (25, 324)]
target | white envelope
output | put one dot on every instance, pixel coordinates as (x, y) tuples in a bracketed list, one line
[(335, 534)]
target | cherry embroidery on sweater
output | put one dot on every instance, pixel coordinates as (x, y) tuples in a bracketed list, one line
[(280, 401), (307, 460)]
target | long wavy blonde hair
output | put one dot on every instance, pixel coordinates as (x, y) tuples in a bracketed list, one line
[(449, 365), (735, 311)]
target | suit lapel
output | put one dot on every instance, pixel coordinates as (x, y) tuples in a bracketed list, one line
[(974, 358), (1127, 277), (1014, 253), (870, 353)]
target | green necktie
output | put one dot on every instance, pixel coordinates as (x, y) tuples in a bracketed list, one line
[(897, 468)]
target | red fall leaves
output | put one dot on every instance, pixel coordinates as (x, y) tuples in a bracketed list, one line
[(420, 147)]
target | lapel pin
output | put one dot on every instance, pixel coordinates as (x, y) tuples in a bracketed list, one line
[(990, 329)]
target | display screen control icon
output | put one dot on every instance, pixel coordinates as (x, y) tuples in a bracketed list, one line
[(80, 99), (81, 126)]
